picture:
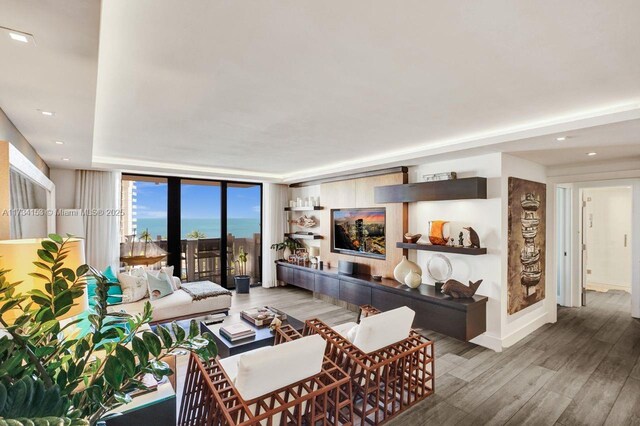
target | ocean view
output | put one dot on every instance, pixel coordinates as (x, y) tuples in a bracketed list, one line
[(239, 228)]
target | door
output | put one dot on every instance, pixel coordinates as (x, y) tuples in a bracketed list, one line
[(242, 225), (200, 239), (563, 243), (583, 245), (607, 238)]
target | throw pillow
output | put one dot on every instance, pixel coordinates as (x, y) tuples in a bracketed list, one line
[(159, 286), (166, 271), (134, 288), (114, 290), (111, 276)]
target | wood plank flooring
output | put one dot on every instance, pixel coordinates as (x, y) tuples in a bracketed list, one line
[(583, 370)]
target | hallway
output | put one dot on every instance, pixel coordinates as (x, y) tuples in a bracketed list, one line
[(583, 370)]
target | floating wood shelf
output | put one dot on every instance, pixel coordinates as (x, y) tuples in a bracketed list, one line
[(444, 249), (303, 236), (442, 190), (303, 209)]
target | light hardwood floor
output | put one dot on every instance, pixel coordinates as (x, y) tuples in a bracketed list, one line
[(583, 370)]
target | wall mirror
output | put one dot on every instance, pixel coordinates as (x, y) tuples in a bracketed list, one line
[(31, 198)]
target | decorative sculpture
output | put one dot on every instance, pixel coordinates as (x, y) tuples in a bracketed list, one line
[(457, 290), (403, 268), (439, 232), (473, 237), (412, 238), (461, 239)]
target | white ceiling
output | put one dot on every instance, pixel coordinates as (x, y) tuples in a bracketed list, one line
[(618, 141), (289, 89), (57, 74)]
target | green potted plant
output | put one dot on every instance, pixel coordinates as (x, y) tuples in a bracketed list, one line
[(196, 234), (242, 280), (286, 247), (79, 368)]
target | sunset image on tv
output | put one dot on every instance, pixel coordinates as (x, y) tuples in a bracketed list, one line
[(359, 231)]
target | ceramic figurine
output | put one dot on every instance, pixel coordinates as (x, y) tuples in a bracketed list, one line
[(457, 290), (461, 239), (473, 238)]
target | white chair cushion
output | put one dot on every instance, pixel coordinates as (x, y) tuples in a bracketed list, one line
[(266, 369), (383, 329), (343, 329)]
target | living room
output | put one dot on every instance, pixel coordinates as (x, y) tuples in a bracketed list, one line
[(319, 213)]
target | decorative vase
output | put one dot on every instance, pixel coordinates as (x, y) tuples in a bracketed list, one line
[(404, 267), (413, 279), (439, 232), (286, 253)]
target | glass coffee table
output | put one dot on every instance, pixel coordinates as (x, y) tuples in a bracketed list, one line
[(264, 336)]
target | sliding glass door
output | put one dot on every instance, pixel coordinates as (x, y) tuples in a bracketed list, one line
[(244, 230), (200, 230), (203, 225)]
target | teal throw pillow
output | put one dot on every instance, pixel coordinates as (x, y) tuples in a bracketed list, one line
[(111, 276), (114, 290)]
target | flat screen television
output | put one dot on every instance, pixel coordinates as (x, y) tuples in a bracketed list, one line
[(359, 232)]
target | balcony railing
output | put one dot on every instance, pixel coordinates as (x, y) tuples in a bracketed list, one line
[(202, 258)]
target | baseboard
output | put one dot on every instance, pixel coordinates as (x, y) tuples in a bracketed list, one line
[(488, 341), (525, 330)]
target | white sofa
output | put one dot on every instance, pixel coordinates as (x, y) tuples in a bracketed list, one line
[(176, 305)]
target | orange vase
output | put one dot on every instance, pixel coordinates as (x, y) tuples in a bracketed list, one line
[(439, 232)]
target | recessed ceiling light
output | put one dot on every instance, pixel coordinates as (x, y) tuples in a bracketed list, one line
[(19, 37), (59, 143), (561, 138), (65, 159), (591, 154), (47, 113)]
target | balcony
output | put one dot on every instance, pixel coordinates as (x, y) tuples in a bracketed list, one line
[(201, 258)]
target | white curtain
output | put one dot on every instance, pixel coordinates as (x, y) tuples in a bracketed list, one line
[(23, 197), (98, 195), (275, 200)]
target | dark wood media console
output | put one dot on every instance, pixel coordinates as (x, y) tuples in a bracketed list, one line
[(462, 319)]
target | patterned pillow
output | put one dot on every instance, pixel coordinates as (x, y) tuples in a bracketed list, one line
[(166, 271), (134, 288), (159, 286)]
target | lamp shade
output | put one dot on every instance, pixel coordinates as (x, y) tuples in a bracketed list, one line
[(70, 221), (17, 256)]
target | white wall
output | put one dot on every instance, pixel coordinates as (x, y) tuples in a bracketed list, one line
[(520, 324), (65, 182), (607, 222), (484, 216)]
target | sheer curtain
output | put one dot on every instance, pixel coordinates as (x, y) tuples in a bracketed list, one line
[(22, 197), (275, 200), (98, 195)]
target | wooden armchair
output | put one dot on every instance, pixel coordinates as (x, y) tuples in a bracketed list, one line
[(385, 381), (212, 395)]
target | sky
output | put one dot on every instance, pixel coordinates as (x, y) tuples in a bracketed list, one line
[(198, 201)]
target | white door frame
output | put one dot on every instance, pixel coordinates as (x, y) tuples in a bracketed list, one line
[(574, 290), (563, 243)]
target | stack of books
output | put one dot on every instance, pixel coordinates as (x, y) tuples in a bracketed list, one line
[(262, 317), (236, 332)]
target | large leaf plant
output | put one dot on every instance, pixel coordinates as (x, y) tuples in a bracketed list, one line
[(88, 365)]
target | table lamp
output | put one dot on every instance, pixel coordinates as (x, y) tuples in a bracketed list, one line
[(18, 256)]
